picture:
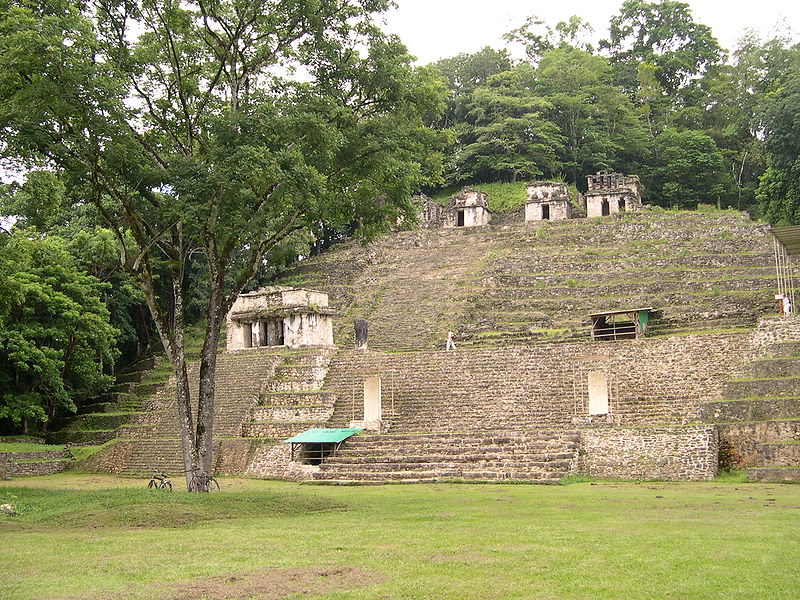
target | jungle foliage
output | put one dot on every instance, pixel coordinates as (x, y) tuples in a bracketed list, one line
[(657, 97)]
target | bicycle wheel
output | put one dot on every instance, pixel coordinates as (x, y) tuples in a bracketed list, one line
[(167, 486), (213, 485), (151, 485)]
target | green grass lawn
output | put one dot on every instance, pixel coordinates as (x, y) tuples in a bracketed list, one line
[(91, 537), (28, 447)]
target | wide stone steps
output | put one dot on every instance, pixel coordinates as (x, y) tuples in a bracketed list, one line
[(497, 458), (546, 463), (292, 399), (539, 456), (764, 387), (291, 413), (146, 455), (761, 409), (278, 429), (423, 476), (774, 474), (581, 279), (781, 454), (776, 367), (759, 421)]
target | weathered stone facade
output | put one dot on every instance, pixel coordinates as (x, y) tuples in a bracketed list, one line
[(468, 208), (669, 453), (429, 213), (509, 403), (279, 316), (547, 201), (610, 193)]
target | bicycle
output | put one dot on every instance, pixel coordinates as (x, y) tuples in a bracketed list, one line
[(204, 480), (159, 481)]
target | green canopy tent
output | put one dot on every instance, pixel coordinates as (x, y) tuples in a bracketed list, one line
[(317, 444)]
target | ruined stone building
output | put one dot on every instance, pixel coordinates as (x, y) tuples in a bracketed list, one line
[(610, 193), (429, 213), (547, 200), (279, 316), (468, 208)]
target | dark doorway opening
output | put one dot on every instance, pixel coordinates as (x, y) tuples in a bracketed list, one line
[(460, 218), (604, 209), (275, 332), (621, 205), (316, 453), (545, 212)]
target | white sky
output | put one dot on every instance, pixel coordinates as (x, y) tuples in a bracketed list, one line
[(434, 29)]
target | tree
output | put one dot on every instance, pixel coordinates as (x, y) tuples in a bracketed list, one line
[(662, 34), (465, 73), (597, 120), (779, 187), (55, 333), (689, 170), (218, 129), (41, 204), (506, 136), (537, 37)]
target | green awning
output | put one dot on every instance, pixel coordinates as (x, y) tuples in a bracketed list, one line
[(321, 436)]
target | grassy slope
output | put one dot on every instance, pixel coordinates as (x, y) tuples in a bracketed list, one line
[(27, 447), (603, 540), (503, 197)]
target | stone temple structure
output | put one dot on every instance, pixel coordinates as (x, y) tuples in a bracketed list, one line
[(280, 316), (429, 213), (611, 193), (468, 208), (583, 350), (547, 200)]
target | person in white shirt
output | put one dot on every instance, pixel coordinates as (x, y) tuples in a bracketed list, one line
[(451, 344)]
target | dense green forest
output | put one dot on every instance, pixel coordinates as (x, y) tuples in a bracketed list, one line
[(657, 97)]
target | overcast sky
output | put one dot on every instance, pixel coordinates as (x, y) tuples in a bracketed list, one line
[(434, 29)]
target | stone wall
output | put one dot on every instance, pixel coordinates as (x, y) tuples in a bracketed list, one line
[(674, 453), (42, 467), (741, 444), (651, 381), (771, 331), (276, 461)]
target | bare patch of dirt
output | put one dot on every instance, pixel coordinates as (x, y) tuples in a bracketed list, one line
[(268, 583)]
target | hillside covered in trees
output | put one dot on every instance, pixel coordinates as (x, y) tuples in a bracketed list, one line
[(657, 97)]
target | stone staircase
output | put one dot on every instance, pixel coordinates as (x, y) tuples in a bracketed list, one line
[(759, 417), (262, 396), (98, 420), (523, 284), (540, 457), (292, 400)]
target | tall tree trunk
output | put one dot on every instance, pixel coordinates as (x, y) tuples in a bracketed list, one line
[(208, 368)]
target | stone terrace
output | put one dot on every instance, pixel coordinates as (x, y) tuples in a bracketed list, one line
[(518, 412), (538, 387), (151, 440), (521, 284)]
